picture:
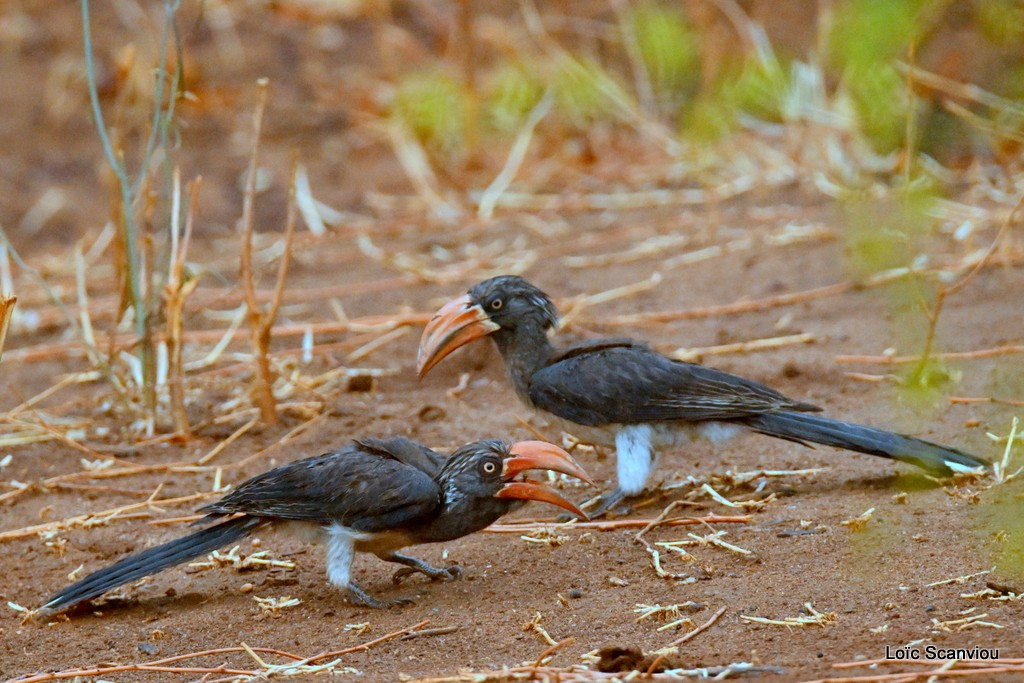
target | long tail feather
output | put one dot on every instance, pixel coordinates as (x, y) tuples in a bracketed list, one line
[(933, 457), (152, 561)]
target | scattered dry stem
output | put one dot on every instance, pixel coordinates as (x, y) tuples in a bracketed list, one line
[(813, 618)]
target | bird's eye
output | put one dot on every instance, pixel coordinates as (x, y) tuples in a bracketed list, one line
[(490, 467), (497, 304)]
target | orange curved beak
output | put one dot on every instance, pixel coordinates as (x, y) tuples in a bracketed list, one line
[(541, 455), (455, 324), (529, 490)]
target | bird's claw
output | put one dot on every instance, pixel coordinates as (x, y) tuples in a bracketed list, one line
[(612, 502), (449, 573), (401, 574), (358, 596), (399, 602)]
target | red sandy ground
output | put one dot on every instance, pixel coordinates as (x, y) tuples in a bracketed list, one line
[(874, 580)]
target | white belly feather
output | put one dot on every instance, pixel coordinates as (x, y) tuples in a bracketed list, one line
[(637, 446)]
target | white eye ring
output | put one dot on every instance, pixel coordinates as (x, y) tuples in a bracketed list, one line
[(490, 467), (497, 304)]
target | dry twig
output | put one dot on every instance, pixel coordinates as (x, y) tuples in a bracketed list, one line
[(814, 617), (162, 665), (700, 629)]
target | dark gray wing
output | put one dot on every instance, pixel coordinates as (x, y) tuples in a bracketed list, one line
[(629, 383), (363, 487), (405, 451)]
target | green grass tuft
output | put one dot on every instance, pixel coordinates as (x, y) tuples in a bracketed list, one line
[(435, 108), (867, 33), (669, 50), (585, 91), (759, 89), (512, 91)]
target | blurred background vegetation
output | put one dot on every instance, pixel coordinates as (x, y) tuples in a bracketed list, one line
[(441, 119), (887, 108)]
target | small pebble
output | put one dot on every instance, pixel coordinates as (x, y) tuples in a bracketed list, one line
[(360, 383), (576, 593), (245, 588), (431, 413)]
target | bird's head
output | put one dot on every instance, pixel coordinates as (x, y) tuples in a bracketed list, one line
[(506, 302), (490, 469)]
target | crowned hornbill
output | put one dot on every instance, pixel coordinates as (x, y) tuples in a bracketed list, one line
[(374, 495), (623, 393)]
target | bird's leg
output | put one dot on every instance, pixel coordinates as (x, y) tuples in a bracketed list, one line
[(358, 596), (606, 503), (340, 552), (413, 565), (634, 462), (634, 458), (602, 505)]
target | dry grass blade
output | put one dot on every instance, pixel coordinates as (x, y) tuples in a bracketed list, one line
[(696, 353), (369, 644), (964, 623), (967, 91), (1007, 350), (373, 345), (414, 162), (534, 626), (265, 670), (490, 196), (700, 629), (859, 522), (176, 291), (582, 303), (1001, 468), (273, 606), (742, 504), (307, 204), (103, 517), (984, 399), (789, 299), (610, 525), (812, 618), (626, 201), (960, 579), (234, 436), (669, 613), (713, 538), (236, 561), (6, 311), (982, 671)]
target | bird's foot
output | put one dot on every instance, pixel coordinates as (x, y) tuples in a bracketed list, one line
[(612, 502), (414, 566), (358, 596), (435, 573)]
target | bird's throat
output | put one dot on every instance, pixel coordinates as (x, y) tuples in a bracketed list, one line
[(525, 349)]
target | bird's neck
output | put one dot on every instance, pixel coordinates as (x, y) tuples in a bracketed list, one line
[(526, 349), (461, 517)]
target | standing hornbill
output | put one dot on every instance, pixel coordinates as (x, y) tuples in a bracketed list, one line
[(373, 495), (621, 392)]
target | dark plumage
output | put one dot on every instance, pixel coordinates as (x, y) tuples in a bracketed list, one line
[(374, 495), (623, 393)]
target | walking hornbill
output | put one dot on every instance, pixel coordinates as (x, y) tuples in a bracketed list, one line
[(623, 393), (374, 495)]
